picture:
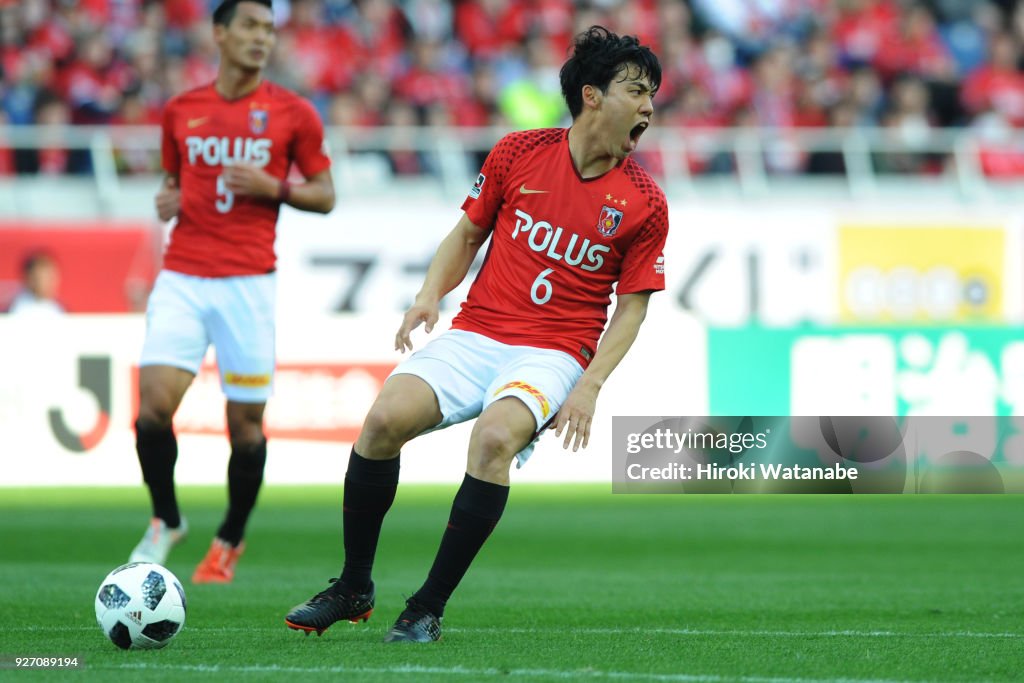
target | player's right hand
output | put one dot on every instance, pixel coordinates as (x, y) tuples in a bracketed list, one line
[(168, 199), (417, 314)]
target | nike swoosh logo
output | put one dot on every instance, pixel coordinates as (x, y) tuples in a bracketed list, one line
[(523, 189), (193, 123)]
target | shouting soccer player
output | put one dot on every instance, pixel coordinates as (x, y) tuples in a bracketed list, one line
[(569, 215), (227, 150)]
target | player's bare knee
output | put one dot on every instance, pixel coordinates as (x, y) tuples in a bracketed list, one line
[(247, 439), (490, 466), (154, 414), (147, 425), (384, 432), (493, 445), (245, 424)]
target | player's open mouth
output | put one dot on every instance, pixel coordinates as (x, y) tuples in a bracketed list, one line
[(637, 131)]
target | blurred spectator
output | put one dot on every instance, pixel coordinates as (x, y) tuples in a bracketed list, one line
[(998, 86), (913, 45), (729, 85), (679, 50), (697, 116), (183, 14), (554, 20), (431, 80), (7, 165), (51, 157), (867, 97), (374, 95), (430, 19), (308, 57), (344, 109), (754, 25), (40, 284), (93, 82), (1000, 151), (774, 106), (637, 18), (841, 116), (480, 107), (135, 111), (861, 28), (918, 49), (965, 30), (378, 38), (487, 28), (823, 82), (402, 154), (908, 128), (534, 98)]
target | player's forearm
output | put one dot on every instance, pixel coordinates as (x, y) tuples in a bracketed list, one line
[(451, 262), (315, 196), (622, 331)]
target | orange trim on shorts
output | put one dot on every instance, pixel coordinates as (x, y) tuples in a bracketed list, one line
[(235, 379), (545, 407)]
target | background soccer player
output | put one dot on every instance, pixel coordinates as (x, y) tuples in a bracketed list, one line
[(227, 150), (569, 215)]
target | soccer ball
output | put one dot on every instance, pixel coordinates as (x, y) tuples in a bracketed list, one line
[(140, 606)]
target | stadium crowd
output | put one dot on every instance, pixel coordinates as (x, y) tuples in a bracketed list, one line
[(905, 66)]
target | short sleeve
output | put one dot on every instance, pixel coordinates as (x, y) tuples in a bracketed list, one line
[(170, 159), (488, 193), (310, 150), (643, 267)]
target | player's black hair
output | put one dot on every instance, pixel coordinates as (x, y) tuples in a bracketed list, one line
[(598, 56), (225, 11)]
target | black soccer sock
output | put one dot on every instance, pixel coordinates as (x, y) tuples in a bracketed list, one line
[(158, 451), (370, 487), (245, 476), (475, 512)]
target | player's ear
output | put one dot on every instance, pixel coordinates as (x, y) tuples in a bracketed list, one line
[(591, 96)]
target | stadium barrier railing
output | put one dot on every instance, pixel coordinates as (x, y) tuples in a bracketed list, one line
[(860, 163)]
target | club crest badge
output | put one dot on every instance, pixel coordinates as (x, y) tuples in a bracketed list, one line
[(609, 221), (258, 119)]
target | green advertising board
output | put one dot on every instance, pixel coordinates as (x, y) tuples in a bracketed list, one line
[(969, 381), (866, 371)]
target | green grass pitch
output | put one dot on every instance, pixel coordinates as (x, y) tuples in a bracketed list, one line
[(575, 584)]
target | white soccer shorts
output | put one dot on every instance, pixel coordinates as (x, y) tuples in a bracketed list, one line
[(186, 314), (469, 372)]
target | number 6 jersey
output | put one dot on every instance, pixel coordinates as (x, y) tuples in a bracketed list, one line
[(218, 233), (559, 244)]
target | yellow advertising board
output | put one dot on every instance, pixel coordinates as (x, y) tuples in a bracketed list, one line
[(921, 273)]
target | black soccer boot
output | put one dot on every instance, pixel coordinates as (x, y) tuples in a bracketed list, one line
[(336, 603), (415, 625)]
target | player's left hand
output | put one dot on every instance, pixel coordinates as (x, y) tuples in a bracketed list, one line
[(423, 312), (247, 179), (576, 415)]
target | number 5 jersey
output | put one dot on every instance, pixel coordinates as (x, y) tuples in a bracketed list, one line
[(218, 233)]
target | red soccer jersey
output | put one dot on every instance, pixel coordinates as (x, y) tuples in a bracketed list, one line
[(220, 234), (559, 243)]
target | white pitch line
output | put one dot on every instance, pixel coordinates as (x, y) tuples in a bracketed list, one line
[(483, 673), (740, 632), (606, 631)]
